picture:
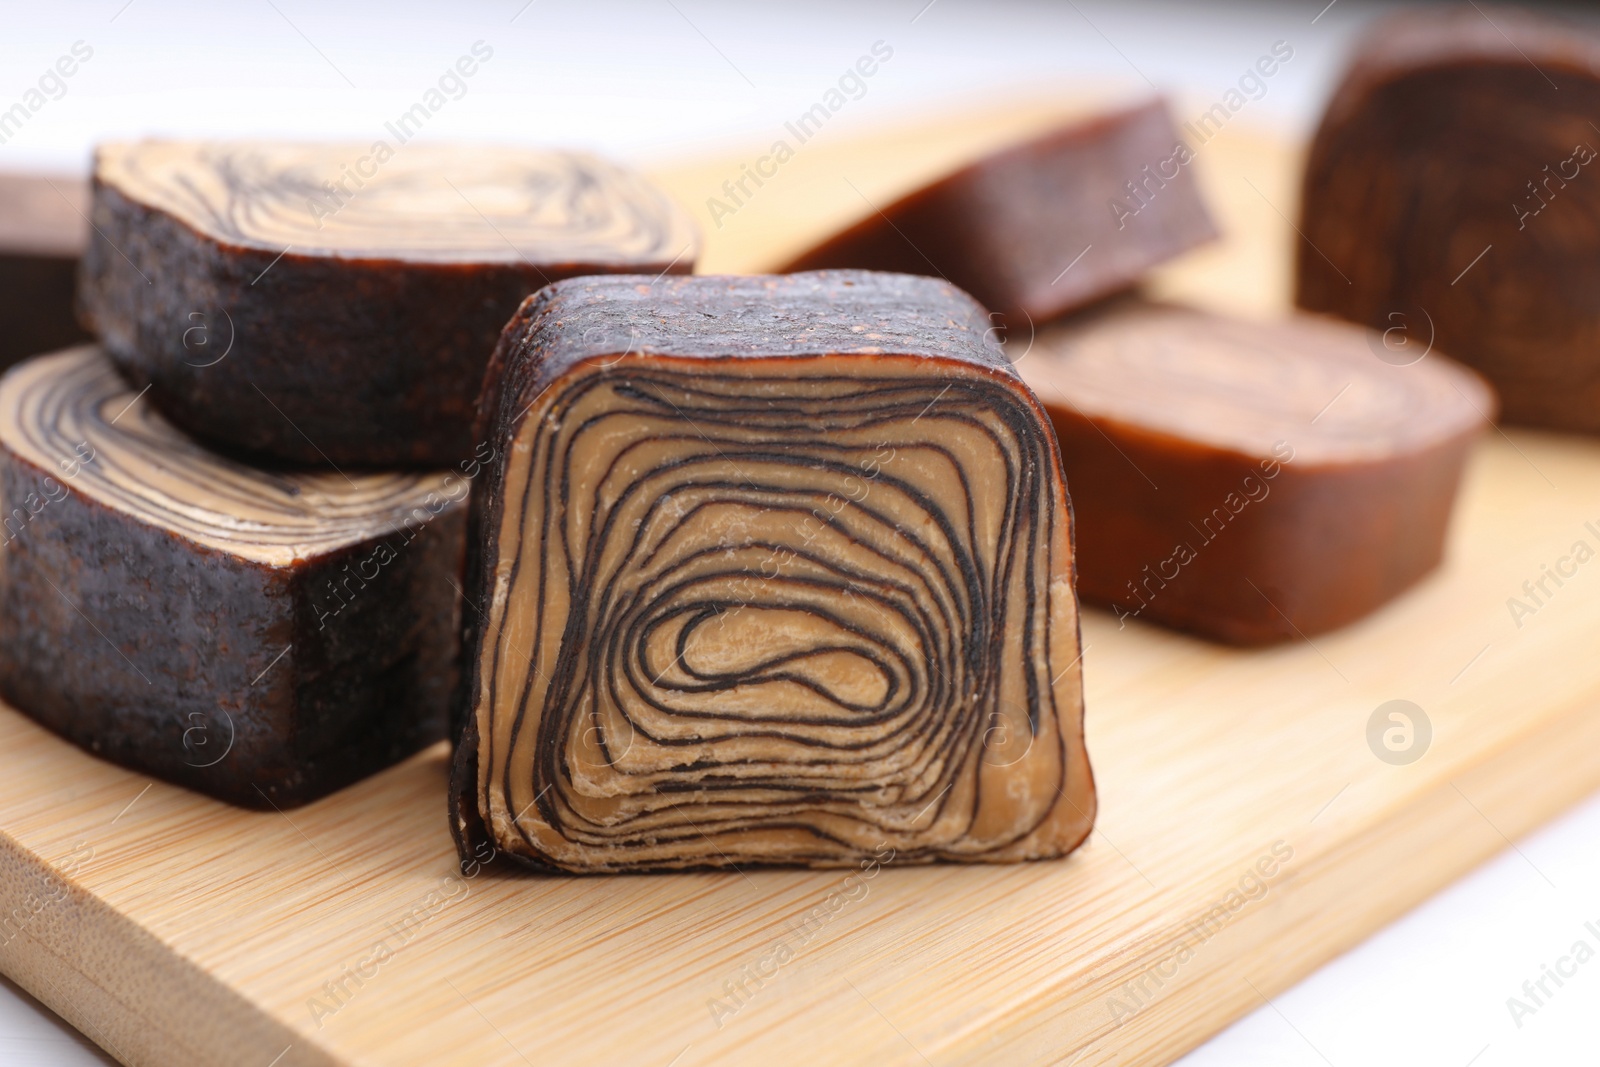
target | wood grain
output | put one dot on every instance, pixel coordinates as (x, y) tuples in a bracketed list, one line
[(188, 932)]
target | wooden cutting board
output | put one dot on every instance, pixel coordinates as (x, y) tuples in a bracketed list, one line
[(1248, 831)]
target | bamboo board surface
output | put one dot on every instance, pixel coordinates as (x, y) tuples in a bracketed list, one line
[(175, 930)]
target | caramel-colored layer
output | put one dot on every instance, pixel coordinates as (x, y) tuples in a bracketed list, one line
[(424, 202), (769, 610), (71, 415)]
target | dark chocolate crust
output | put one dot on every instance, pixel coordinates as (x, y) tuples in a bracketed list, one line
[(1008, 227), (704, 329), (1450, 199), (351, 358), (1251, 482), (825, 312), (259, 683), (41, 238)]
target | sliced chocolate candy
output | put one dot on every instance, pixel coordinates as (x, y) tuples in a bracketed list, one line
[(1046, 226), (43, 221), (774, 570), (264, 638), (1247, 481), (1452, 197), (336, 304)]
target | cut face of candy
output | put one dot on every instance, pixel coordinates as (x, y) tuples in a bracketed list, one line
[(776, 602)]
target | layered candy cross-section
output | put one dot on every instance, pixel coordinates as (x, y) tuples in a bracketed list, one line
[(770, 569), (262, 637), (324, 304)]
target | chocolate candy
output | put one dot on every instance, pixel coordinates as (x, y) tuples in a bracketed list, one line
[(1251, 481), (774, 569), (42, 227), (331, 304), (1043, 227), (1452, 199), (265, 638)]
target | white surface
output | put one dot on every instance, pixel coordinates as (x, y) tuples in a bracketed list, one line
[(1432, 988), (645, 78), (31, 1035), (656, 79)]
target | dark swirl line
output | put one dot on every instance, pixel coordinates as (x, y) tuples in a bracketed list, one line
[(74, 417)]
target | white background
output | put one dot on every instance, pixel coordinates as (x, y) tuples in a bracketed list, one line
[(663, 79)]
